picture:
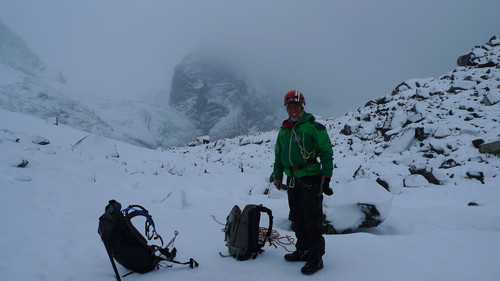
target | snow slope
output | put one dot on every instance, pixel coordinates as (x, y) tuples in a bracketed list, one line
[(50, 210)]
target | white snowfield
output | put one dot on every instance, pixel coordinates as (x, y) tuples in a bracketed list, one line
[(50, 210)]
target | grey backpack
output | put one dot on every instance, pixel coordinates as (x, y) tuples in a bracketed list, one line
[(242, 231)]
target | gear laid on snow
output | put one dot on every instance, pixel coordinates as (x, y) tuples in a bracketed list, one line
[(127, 246), (242, 234)]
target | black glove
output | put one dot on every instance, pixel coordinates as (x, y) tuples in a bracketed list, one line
[(325, 185)]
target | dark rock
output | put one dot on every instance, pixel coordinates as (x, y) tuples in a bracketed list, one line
[(383, 183), (486, 101), (464, 60), (455, 90), (372, 219), (492, 147), (40, 140), (398, 88), (372, 215), (426, 173), (346, 130), (381, 100), (328, 227), (450, 163), (23, 163), (420, 134), (476, 175), (477, 143), (359, 173), (488, 64), (438, 150)]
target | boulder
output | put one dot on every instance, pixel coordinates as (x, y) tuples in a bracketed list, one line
[(40, 140), (477, 142), (356, 204), (449, 163), (426, 173), (491, 98), (492, 147), (346, 130), (415, 181)]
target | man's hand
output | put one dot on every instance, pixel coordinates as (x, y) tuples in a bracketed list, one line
[(278, 184), (325, 185)]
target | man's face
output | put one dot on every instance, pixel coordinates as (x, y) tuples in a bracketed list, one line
[(294, 109)]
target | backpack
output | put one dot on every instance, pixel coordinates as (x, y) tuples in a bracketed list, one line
[(242, 231), (127, 246)]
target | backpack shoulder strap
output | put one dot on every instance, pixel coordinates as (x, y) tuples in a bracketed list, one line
[(136, 210), (263, 209)]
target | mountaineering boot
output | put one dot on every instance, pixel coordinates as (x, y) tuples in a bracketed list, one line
[(298, 255), (312, 265)]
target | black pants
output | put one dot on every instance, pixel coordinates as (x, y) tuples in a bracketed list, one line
[(305, 200)]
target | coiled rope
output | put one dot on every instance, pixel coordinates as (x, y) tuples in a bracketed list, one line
[(274, 238)]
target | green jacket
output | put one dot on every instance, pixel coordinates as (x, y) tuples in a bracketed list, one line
[(314, 143)]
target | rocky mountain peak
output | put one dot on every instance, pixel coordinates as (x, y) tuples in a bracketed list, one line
[(219, 97)]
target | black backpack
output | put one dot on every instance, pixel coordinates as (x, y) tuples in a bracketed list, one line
[(242, 231), (127, 246)]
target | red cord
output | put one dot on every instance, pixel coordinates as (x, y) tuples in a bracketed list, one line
[(276, 239)]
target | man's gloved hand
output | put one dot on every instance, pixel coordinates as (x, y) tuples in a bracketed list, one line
[(325, 185), (278, 184)]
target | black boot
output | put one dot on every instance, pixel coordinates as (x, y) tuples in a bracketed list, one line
[(312, 265), (298, 255)]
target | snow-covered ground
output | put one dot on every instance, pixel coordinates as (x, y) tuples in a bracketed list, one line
[(441, 215), (50, 209)]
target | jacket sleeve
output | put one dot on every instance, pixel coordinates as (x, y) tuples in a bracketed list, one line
[(278, 167), (325, 150)]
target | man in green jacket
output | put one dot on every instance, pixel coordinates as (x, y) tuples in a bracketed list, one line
[(301, 141)]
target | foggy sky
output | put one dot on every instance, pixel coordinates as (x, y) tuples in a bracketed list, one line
[(340, 54)]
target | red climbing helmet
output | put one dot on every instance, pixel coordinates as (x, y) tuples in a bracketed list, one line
[(294, 96)]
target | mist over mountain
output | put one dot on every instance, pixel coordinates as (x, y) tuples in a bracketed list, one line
[(209, 98), (28, 86), (219, 98), (15, 53)]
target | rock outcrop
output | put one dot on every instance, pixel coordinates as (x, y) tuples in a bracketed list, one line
[(219, 98)]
